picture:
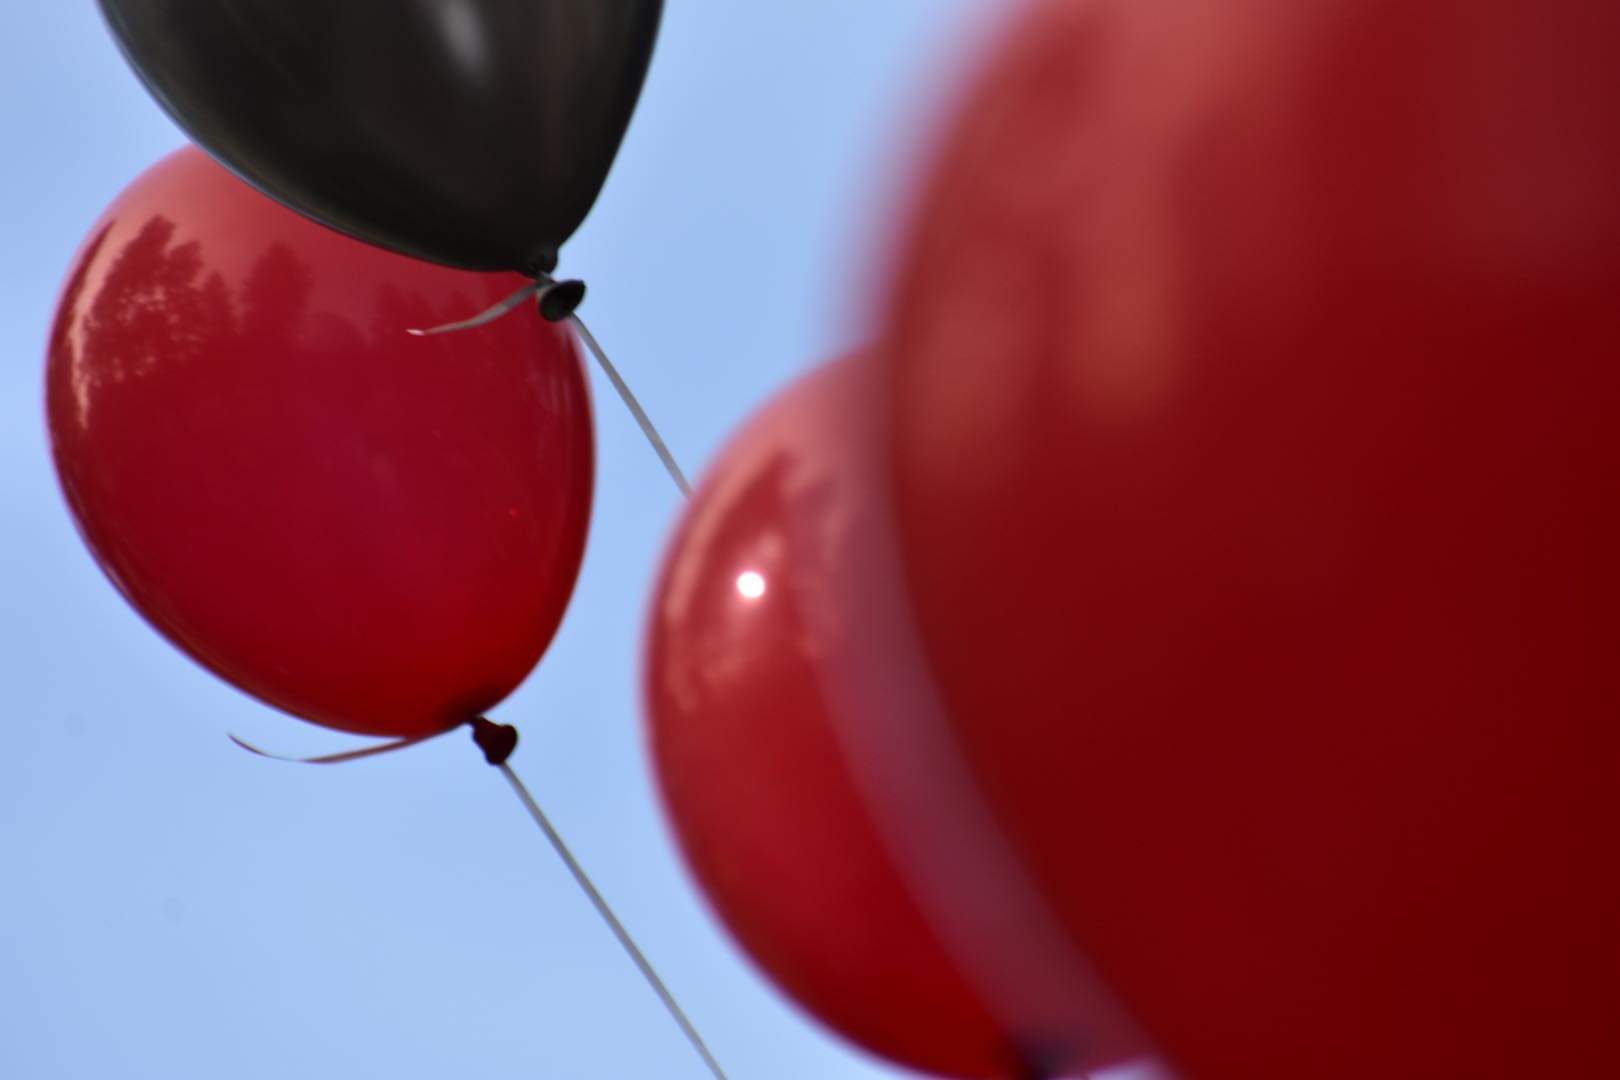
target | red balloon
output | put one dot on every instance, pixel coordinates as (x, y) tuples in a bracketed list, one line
[(771, 636), (1256, 369), (372, 531)]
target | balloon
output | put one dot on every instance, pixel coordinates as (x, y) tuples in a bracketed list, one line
[(771, 636), (474, 133), (375, 532), (1254, 378)]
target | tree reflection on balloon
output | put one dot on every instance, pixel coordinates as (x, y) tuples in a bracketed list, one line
[(372, 531)]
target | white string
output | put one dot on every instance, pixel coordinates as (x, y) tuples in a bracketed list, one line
[(633, 405), (580, 877), (510, 304), (612, 920), (336, 759), (483, 318)]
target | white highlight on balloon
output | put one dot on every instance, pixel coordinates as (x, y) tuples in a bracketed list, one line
[(751, 584)]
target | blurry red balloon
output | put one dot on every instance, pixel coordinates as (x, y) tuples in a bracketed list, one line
[(770, 628), (1255, 385), (373, 531)]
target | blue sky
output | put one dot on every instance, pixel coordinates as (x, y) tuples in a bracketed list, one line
[(173, 908)]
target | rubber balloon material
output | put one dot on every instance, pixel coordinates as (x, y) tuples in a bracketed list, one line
[(475, 133), (373, 531), (1254, 388), (768, 643)]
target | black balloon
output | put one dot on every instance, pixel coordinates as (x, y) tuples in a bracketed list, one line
[(475, 133)]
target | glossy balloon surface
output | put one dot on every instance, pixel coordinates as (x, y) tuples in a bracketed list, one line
[(1255, 383), (475, 133), (373, 531), (755, 779)]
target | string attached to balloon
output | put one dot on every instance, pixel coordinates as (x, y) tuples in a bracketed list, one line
[(498, 741), (557, 301), (335, 759), (509, 207), (633, 405), (589, 889)]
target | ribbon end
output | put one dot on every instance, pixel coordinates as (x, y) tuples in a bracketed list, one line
[(335, 759), (483, 318)]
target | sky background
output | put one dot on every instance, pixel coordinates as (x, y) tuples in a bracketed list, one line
[(171, 907)]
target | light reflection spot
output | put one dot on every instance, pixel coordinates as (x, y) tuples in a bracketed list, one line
[(751, 584)]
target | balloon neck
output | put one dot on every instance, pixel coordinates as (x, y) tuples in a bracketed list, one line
[(541, 263), (497, 741)]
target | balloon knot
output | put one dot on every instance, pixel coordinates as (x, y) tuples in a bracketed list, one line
[(558, 299), (497, 741)]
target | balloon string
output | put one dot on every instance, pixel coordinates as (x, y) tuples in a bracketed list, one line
[(483, 318), (558, 299), (336, 759), (632, 404), (497, 741), (612, 920)]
